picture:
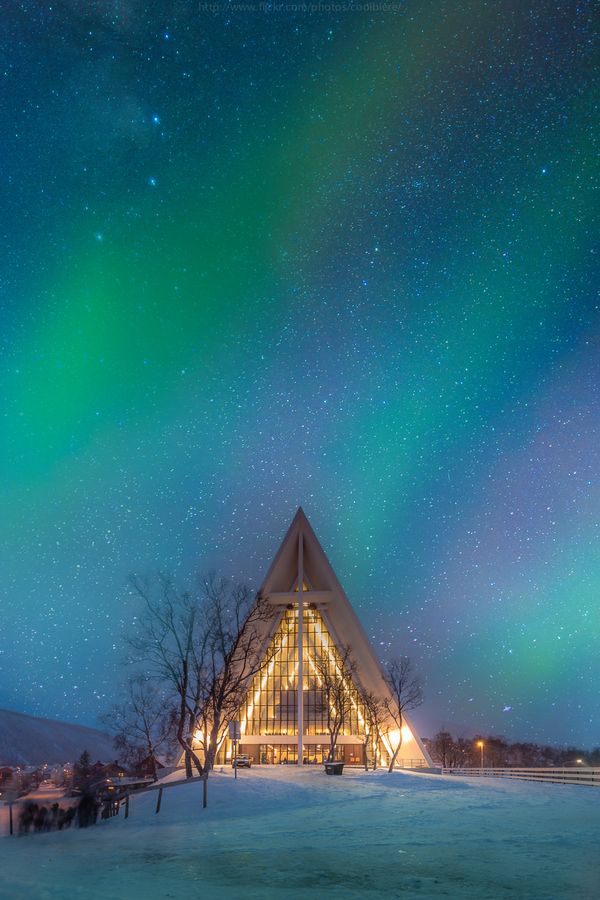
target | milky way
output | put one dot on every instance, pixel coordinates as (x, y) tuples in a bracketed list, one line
[(340, 259)]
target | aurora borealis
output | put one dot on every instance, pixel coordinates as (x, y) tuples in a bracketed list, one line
[(341, 259)]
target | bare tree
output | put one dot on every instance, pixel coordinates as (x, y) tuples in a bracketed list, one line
[(143, 723), (170, 640), (374, 710), (234, 652), (462, 753), (406, 693), (443, 749), (335, 677), (205, 647)]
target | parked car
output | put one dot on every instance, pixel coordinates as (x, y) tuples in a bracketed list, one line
[(241, 761)]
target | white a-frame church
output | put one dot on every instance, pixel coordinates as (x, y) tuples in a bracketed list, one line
[(283, 718)]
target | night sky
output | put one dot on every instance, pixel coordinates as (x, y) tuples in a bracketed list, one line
[(341, 259)]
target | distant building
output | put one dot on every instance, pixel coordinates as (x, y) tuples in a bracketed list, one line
[(148, 766), (100, 771), (284, 718)]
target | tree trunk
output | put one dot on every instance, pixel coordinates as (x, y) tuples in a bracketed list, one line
[(151, 754), (393, 759), (332, 743), (376, 742), (211, 751), (194, 760), (186, 744), (189, 758)]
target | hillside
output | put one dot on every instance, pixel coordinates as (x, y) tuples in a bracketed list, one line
[(30, 741)]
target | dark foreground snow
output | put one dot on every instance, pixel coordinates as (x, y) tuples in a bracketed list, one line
[(283, 833)]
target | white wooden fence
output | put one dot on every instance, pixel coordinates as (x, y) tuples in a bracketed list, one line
[(578, 775)]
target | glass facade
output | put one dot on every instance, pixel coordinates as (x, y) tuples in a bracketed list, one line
[(313, 754), (271, 705)]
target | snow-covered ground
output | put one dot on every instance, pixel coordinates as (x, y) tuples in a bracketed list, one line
[(284, 833)]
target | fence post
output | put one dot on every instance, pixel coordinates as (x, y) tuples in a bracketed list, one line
[(158, 802), (205, 790), (10, 818), (127, 805)]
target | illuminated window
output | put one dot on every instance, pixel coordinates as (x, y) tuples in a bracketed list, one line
[(271, 704)]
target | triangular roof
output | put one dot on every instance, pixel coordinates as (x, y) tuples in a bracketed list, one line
[(326, 592)]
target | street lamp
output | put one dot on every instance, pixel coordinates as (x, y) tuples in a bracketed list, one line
[(480, 745)]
